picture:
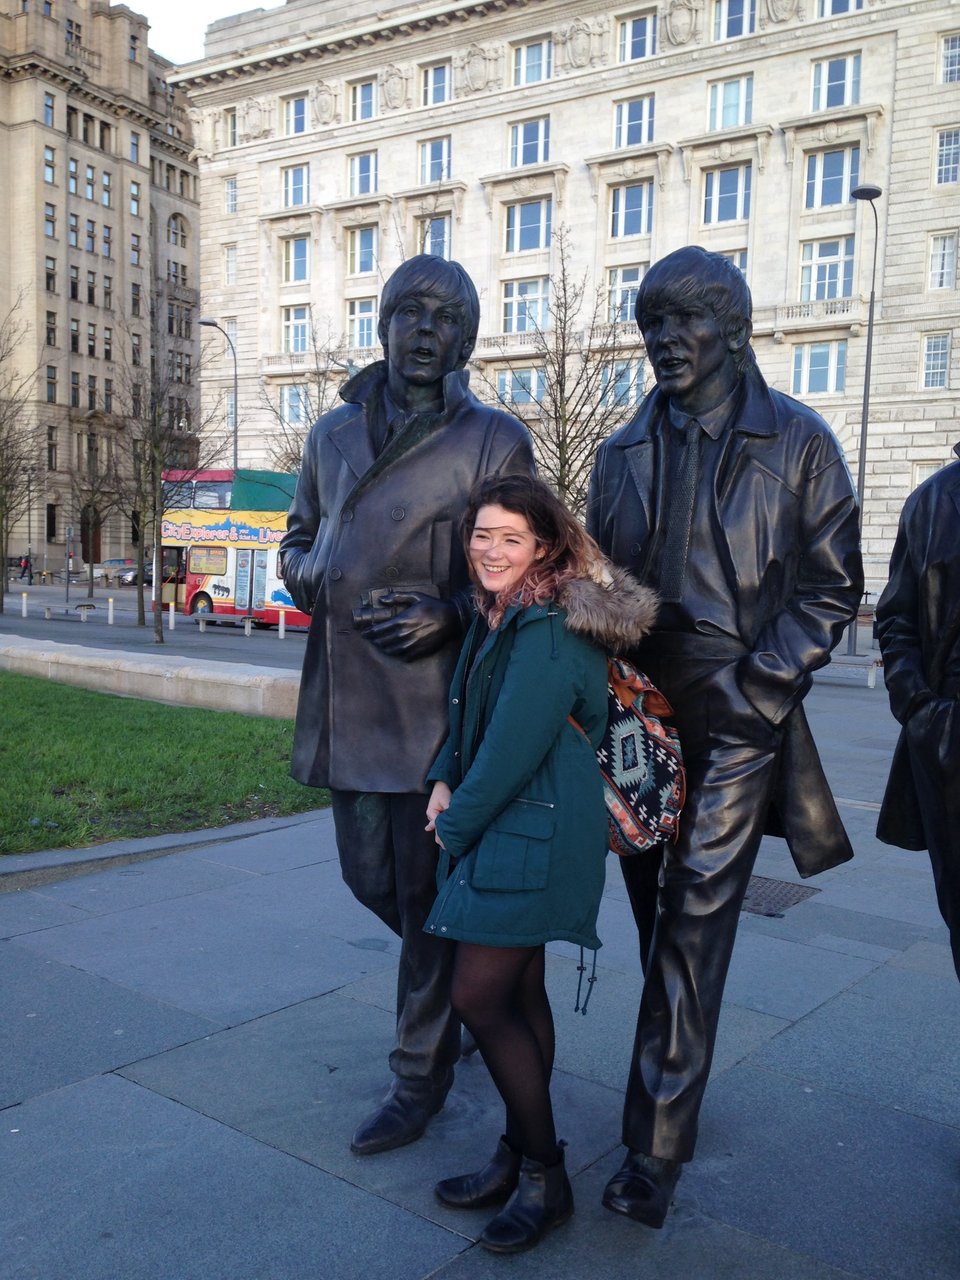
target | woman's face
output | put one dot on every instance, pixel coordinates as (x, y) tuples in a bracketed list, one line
[(502, 549)]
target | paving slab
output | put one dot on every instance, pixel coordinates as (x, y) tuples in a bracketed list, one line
[(28, 912), (61, 1025), (148, 1189), (783, 978)]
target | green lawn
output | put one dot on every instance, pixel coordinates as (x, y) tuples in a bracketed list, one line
[(79, 768)]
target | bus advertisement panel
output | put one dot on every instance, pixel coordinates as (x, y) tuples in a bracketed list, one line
[(228, 556)]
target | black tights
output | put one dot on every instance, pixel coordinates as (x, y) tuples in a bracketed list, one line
[(499, 994)]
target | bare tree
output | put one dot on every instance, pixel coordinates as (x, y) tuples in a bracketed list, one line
[(323, 362), (572, 368), (19, 435)]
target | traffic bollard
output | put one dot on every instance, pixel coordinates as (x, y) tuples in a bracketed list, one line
[(282, 624), (109, 611), (23, 604), (173, 611), (247, 624)]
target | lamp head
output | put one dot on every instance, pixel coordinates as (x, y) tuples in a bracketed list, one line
[(865, 192), (212, 324)]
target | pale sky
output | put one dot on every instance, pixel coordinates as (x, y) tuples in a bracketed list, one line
[(177, 26)]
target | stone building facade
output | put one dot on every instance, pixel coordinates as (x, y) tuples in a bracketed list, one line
[(335, 140), (100, 253)]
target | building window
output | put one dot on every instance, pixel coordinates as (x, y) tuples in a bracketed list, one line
[(631, 209), (90, 239), (108, 293), (726, 194), (521, 386), (819, 367), (361, 322), (135, 250), (230, 127), (622, 286), (296, 185), (526, 305), (106, 189), (229, 264), (136, 349), (134, 299), (89, 181), (943, 261), (363, 100), (51, 522), (91, 391), (73, 176), (831, 175), (177, 231), (91, 340), (730, 103), (229, 195), (435, 160), (92, 288), (135, 147), (433, 236), (633, 122), (826, 270), (530, 142), (107, 344), (51, 336), (50, 274), (51, 384), (533, 62), (49, 221), (621, 382), (108, 395), (294, 116), (528, 225), (49, 165), (836, 82), (136, 399), (74, 284), (362, 252), (936, 360), (733, 18), (179, 324), (294, 405), (107, 242), (296, 329), (435, 84), (49, 105), (73, 230), (51, 448), (295, 260), (949, 61), (132, 48), (637, 37), (177, 273), (75, 336), (75, 391), (948, 156), (363, 174), (832, 8)]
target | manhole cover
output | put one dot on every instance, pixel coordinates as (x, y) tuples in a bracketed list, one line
[(766, 897)]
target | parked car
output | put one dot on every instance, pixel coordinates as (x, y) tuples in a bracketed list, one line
[(110, 570), (128, 577)]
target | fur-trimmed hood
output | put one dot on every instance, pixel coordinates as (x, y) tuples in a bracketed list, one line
[(611, 608)]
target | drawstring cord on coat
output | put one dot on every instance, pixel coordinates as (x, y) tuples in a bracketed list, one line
[(581, 970)]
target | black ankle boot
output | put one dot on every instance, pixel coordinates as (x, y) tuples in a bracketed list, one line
[(490, 1185), (543, 1199), (642, 1188)]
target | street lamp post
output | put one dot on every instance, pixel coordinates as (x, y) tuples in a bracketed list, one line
[(870, 193), (212, 324)]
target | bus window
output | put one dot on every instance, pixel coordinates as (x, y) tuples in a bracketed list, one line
[(177, 495), (207, 560), (211, 495)]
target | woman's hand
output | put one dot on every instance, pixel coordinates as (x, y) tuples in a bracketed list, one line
[(439, 800)]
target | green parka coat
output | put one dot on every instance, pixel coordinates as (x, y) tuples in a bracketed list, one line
[(525, 836)]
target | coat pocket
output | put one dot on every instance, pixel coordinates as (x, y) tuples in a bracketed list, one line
[(514, 852)]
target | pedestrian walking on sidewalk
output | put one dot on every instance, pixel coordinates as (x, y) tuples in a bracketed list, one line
[(918, 626), (518, 809)]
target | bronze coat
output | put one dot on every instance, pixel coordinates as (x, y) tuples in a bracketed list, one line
[(367, 721), (786, 511)]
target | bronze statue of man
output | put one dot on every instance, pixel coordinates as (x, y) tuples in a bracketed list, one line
[(918, 623), (735, 502), (372, 553)]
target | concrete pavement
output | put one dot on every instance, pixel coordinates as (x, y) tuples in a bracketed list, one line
[(189, 1041)]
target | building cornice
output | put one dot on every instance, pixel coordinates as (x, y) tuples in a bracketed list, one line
[(339, 39)]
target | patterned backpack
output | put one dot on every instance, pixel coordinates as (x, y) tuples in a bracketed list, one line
[(644, 781)]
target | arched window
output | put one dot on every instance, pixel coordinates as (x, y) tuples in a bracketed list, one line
[(177, 231)]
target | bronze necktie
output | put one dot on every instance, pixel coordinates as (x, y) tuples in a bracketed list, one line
[(679, 501)]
